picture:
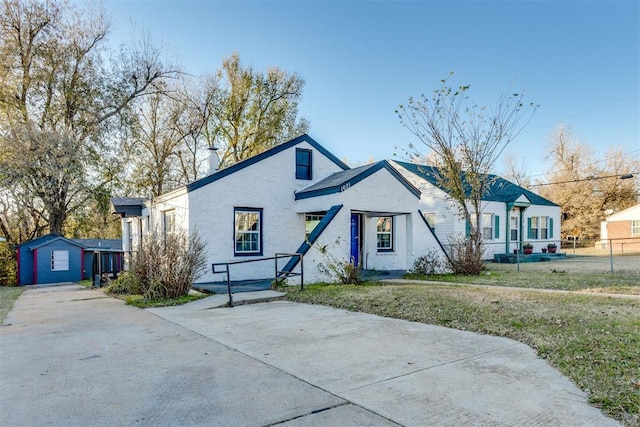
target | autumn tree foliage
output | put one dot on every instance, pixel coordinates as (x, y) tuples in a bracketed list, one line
[(584, 187), (61, 99)]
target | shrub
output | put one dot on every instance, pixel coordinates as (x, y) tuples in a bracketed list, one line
[(430, 264), (464, 257), (167, 267), (345, 272), (126, 283)]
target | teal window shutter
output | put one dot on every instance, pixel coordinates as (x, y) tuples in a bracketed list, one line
[(496, 233), (551, 228), (468, 227), (529, 231)]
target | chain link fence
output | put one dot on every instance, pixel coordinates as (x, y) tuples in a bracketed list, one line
[(580, 255)]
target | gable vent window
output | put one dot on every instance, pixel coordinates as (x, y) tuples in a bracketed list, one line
[(303, 164)]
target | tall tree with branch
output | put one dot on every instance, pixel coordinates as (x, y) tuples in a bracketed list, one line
[(60, 97), (465, 141), (253, 111)]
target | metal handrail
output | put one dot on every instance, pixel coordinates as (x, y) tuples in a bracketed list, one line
[(277, 272)]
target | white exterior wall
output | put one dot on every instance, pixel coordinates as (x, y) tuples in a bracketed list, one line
[(268, 185), (378, 193), (178, 201), (539, 210)]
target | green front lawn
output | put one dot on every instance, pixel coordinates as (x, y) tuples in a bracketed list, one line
[(594, 340), (8, 296)]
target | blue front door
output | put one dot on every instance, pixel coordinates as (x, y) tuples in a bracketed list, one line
[(356, 241)]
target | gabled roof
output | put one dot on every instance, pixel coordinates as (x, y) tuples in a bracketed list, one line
[(340, 181), (500, 190), (47, 239), (127, 206), (112, 245), (259, 157), (627, 214)]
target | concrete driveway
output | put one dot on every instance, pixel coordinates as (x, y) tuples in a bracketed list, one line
[(72, 356)]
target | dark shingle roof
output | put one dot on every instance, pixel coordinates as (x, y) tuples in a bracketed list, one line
[(500, 190), (338, 181)]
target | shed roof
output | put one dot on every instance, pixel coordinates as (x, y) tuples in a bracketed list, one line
[(500, 189), (127, 206)]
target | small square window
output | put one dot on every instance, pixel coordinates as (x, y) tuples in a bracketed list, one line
[(303, 164), (59, 260)]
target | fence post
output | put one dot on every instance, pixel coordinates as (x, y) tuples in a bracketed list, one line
[(611, 253), (229, 287), (301, 272)]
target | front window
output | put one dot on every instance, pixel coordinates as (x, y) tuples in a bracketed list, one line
[(384, 231), (430, 217), (487, 226), (59, 260), (303, 164), (310, 222), (533, 227), (130, 236), (168, 223), (635, 227), (248, 231), (544, 227), (514, 228)]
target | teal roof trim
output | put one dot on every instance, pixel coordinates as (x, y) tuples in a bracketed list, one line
[(264, 155), (313, 236), (500, 190), (342, 181)]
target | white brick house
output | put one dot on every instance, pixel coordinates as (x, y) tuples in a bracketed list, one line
[(295, 197), (511, 215)]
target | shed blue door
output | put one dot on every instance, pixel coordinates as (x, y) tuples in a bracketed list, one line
[(356, 241)]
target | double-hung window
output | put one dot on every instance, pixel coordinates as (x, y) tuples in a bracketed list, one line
[(303, 164), (59, 260), (544, 227), (384, 231), (311, 221), (248, 231), (635, 227), (168, 223), (533, 227), (487, 226)]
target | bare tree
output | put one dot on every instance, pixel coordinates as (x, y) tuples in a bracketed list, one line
[(466, 141), (60, 97)]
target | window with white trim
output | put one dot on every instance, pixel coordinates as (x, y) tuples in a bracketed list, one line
[(384, 232), (168, 223), (487, 226), (59, 260), (430, 217), (310, 222), (635, 227), (533, 227), (248, 231), (544, 227)]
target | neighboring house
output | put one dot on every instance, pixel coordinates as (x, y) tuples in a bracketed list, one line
[(294, 198), (622, 230), (55, 259), (511, 215)]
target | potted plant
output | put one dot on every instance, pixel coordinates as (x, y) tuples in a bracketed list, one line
[(551, 247), (527, 248)]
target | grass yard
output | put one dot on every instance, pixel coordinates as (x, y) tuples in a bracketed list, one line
[(594, 340), (540, 276), (8, 295)]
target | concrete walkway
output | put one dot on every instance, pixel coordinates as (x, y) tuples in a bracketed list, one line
[(72, 356)]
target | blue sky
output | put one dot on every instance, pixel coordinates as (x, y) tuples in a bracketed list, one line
[(579, 60)]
